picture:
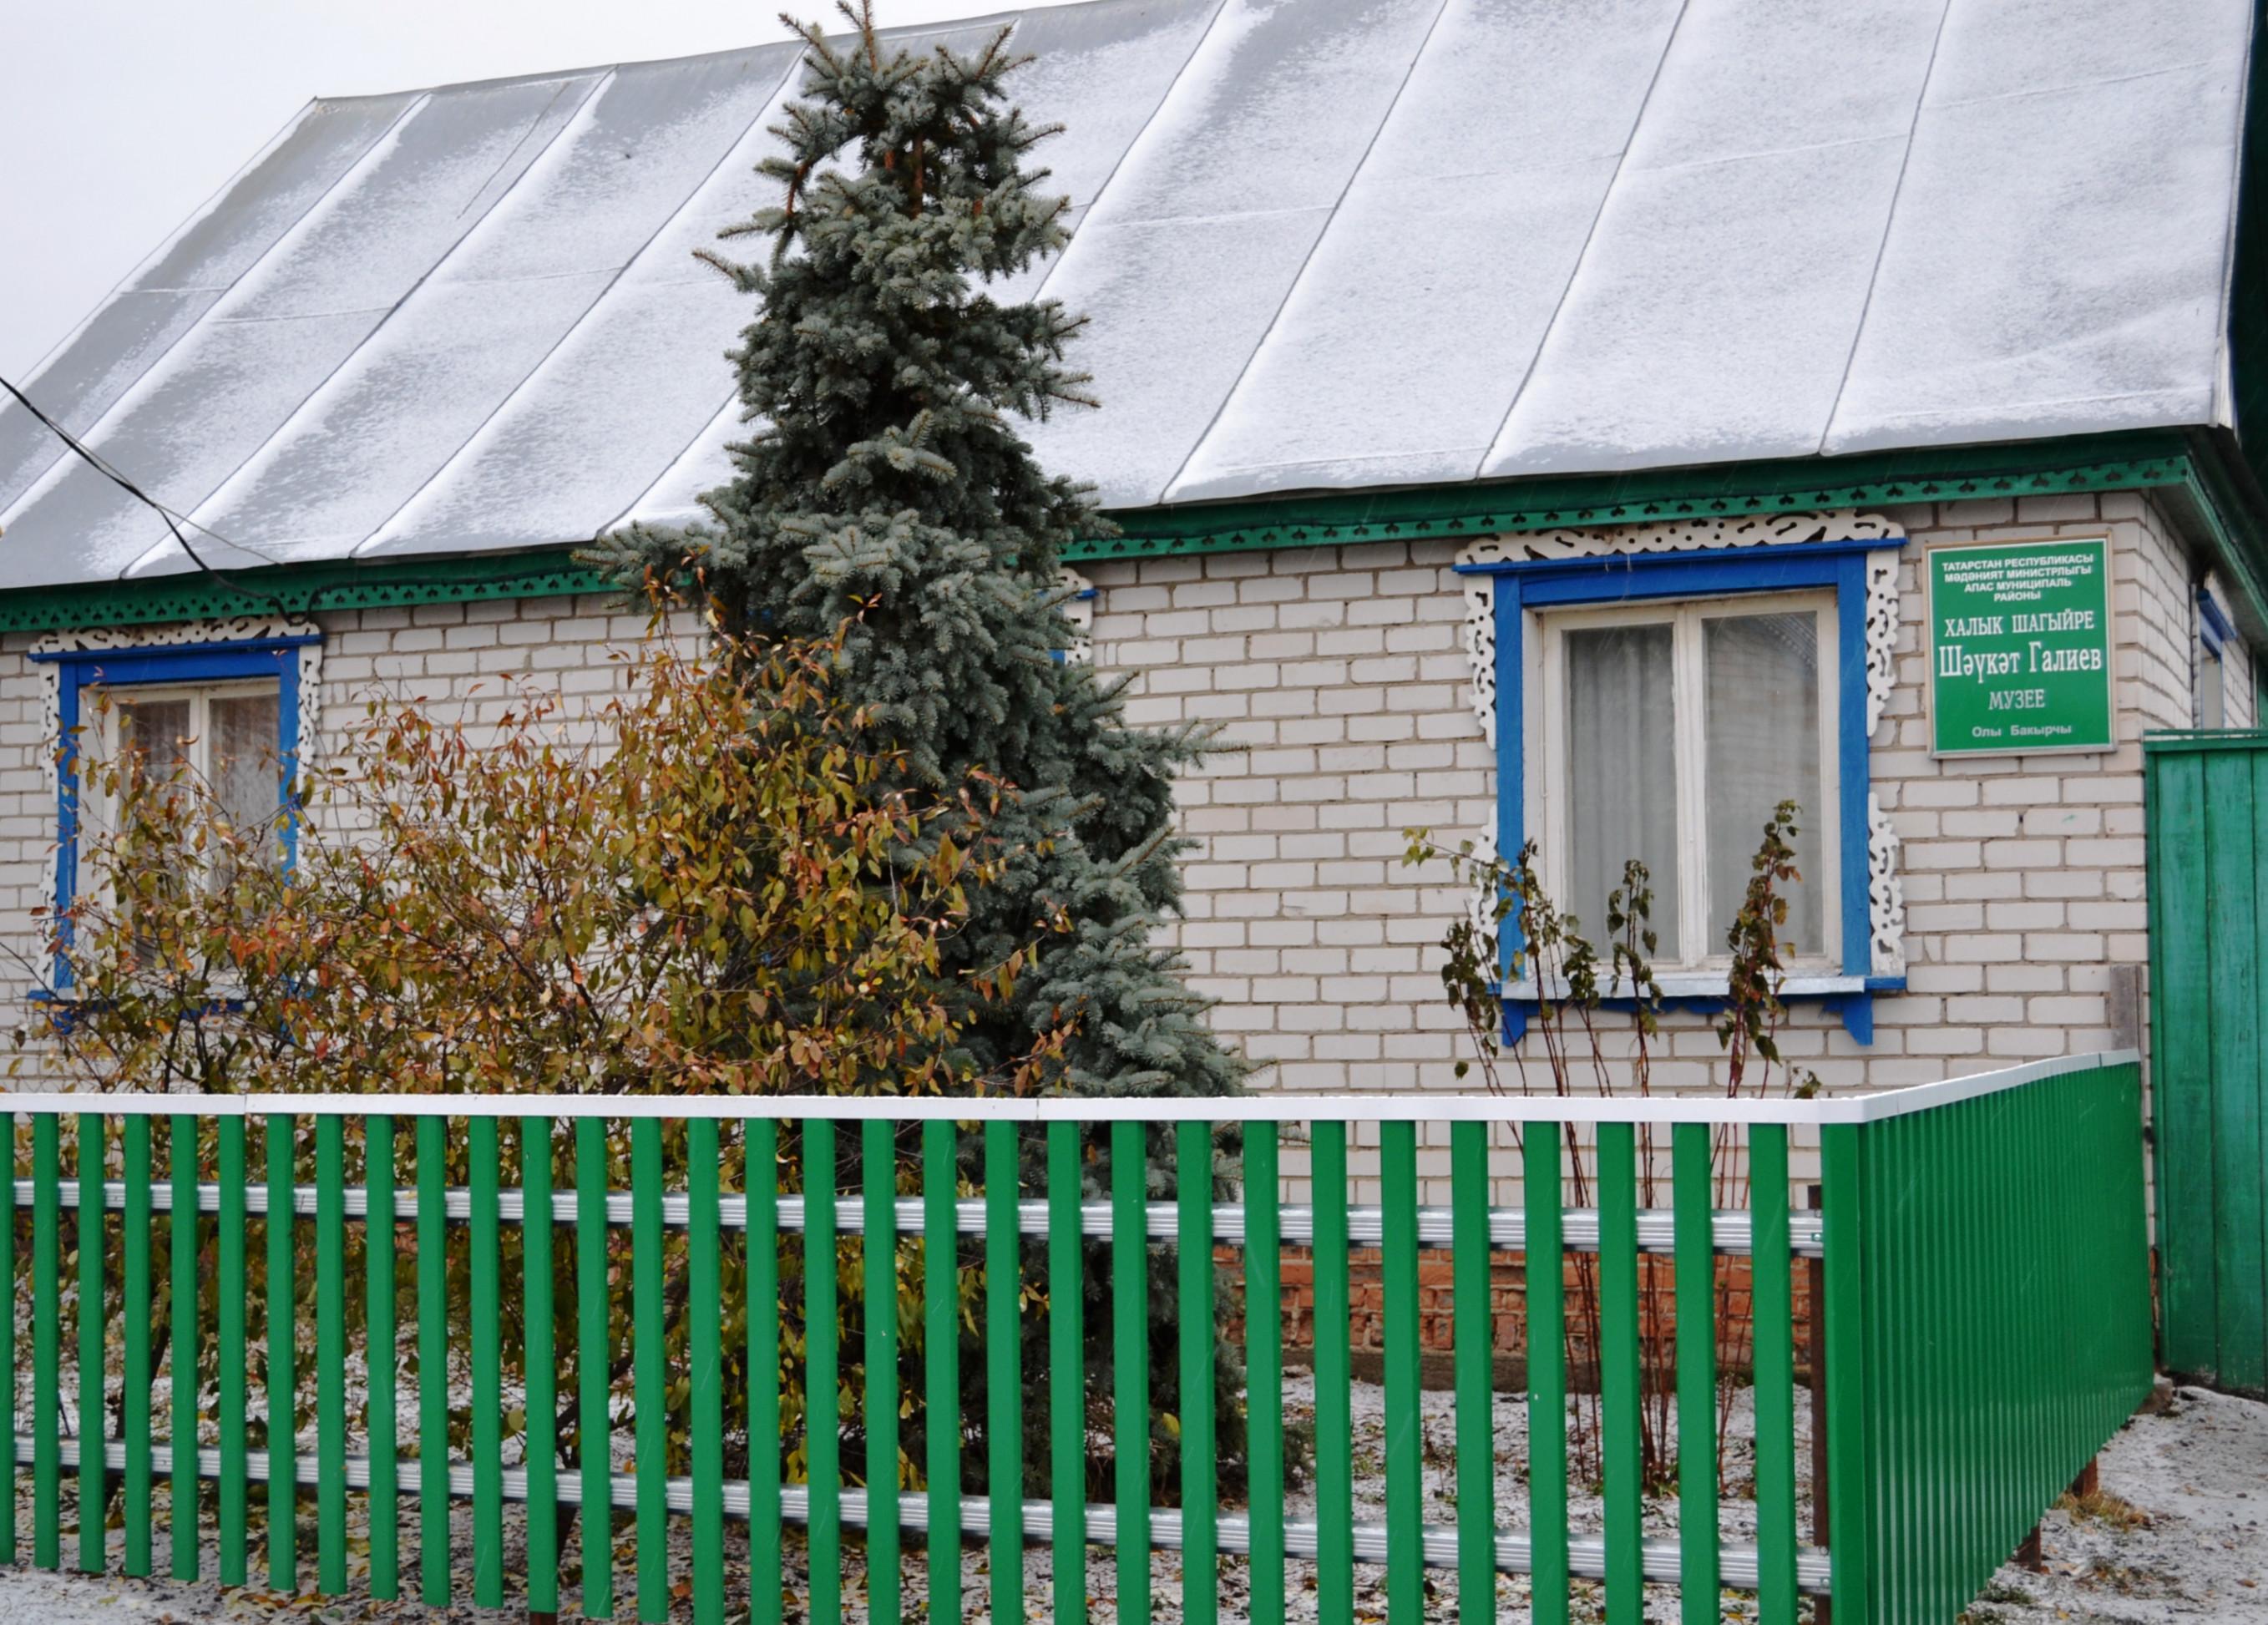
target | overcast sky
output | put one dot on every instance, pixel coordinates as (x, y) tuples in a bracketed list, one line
[(119, 118)]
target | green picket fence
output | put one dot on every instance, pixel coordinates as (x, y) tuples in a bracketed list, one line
[(1987, 1323)]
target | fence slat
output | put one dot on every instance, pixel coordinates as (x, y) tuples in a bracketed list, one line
[(1773, 1309), (821, 1395), (1695, 1286), (760, 1182), (1200, 1534), (650, 1382), (1334, 1384), (181, 1343), (381, 1419), (1264, 1369), (1546, 1378), (879, 1174), (1621, 1452), (1004, 1386), (593, 1350), (331, 1355), (1475, 1344), (46, 1343), (135, 1307), (1405, 1581), (541, 1451), (1849, 1516), (483, 1244), (1129, 1400), (283, 1385), (432, 1367), (1066, 1376), (229, 1286), (8, 1462), (93, 1496), (941, 1378), (705, 1352)]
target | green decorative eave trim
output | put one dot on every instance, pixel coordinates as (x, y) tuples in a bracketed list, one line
[(2191, 466), (300, 589), (1725, 490)]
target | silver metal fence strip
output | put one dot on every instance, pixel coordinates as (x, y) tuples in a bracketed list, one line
[(1586, 1553), (1366, 1226)]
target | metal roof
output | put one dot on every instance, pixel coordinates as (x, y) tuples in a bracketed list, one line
[(1324, 243)]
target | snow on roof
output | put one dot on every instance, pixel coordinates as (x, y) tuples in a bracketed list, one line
[(1324, 244)]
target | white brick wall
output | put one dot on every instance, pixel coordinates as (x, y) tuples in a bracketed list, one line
[(1337, 680), (1336, 677)]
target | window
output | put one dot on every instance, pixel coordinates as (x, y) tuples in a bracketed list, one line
[(1658, 704), (1670, 733), (222, 741), (2214, 632), (225, 711)]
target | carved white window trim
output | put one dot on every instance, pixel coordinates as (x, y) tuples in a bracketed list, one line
[(1885, 892), (182, 635), (1078, 609)]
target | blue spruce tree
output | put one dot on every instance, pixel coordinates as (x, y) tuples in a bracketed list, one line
[(886, 485)]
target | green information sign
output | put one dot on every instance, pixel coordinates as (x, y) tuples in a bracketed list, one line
[(2019, 647)]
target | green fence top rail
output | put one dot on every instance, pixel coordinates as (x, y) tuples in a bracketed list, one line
[(1821, 1112)]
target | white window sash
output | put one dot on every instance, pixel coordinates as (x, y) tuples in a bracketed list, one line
[(1699, 939)]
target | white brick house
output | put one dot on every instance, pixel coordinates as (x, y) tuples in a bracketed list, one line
[(426, 344)]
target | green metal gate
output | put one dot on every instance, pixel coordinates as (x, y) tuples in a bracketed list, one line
[(2207, 818)]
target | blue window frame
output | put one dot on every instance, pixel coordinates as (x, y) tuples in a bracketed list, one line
[(79, 670), (1525, 587)]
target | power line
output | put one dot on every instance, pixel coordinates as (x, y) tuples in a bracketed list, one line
[(175, 521), (103, 467)]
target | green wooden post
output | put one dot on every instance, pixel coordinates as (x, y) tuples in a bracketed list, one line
[(230, 1289), (432, 1366), (93, 1385), (1696, 1284), (383, 1421), (1405, 1574), (1772, 1307), (541, 1452), (282, 1349), (761, 1179), (877, 1171), (138, 1306), (1546, 1280), (1130, 1335), (822, 1381), (1066, 1376), (1263, 1367), (1334, 1384), (593, 1351), (1004, 1384), (1621, 1452), (941, 1380), (330, 1355), (1193, 1257), (1470, 1264), (182, 1339), (484, 1250), (650, 1382)]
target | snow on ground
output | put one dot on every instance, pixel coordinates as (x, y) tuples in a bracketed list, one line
[(2175, 1535)]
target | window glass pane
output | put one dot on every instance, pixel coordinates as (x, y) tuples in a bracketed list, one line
[(246, 772), (1622, 773), (155, 735), (2213, 704), (1761, 711)]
